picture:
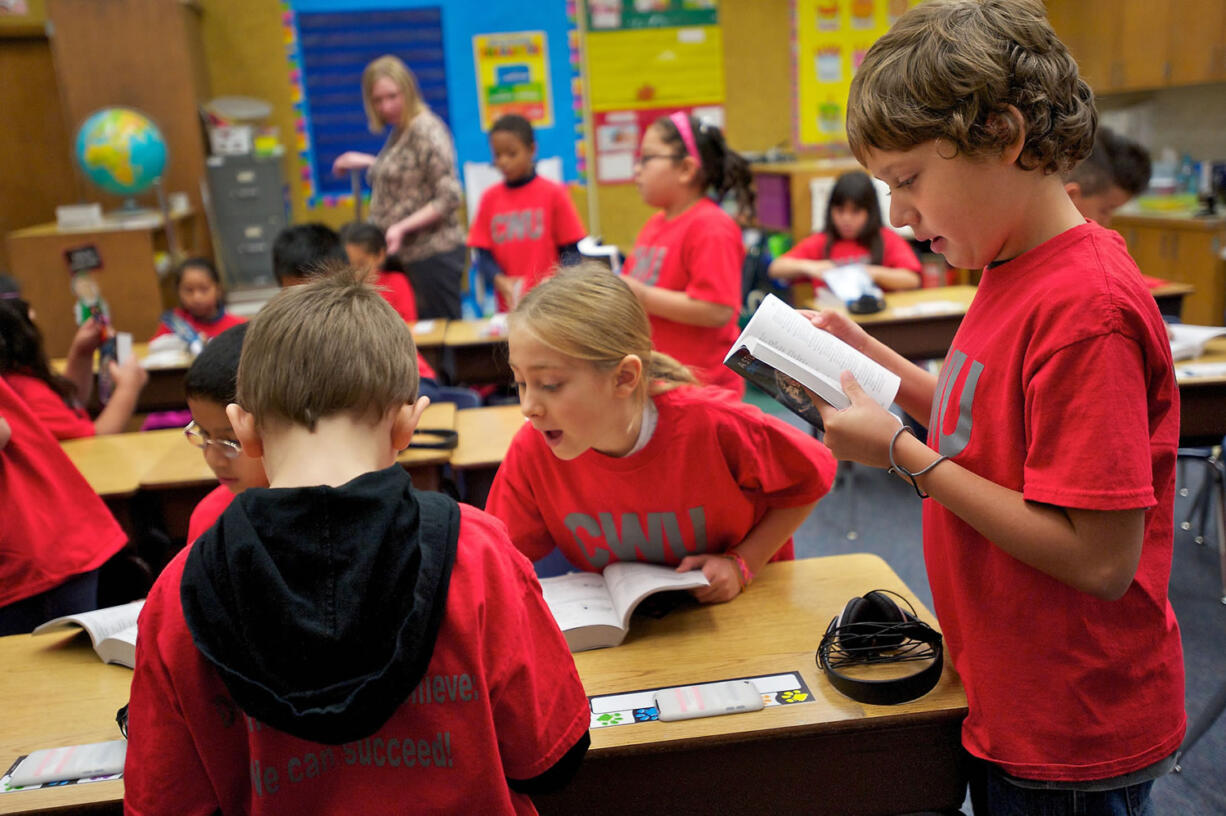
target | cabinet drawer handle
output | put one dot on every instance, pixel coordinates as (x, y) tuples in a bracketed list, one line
[(245, 192), (253, 249)]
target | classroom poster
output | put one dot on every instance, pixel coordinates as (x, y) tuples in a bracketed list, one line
[(618, 134), (607, 15), (830, 39), (513, 77), (647, 59), (655, 67)]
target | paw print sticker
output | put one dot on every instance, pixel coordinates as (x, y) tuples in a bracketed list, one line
[(646, 714), (613, 718), (792, 696)]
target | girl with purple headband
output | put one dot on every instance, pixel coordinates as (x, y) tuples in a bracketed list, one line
[(686, 265)]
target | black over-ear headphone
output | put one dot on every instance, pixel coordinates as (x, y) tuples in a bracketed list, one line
[(875, 629)]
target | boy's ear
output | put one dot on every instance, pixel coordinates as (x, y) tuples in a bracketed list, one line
[(242, 422), (1073, 188), (1010, 120), (405, 422), (627, 375)]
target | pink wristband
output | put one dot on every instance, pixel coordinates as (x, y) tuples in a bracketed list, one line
[(742, 568)]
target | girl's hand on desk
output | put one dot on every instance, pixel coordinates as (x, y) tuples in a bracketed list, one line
[(720, 571), (841, 326), (860, 432)]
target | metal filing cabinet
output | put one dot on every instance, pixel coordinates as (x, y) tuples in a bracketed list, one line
[(248, 207)]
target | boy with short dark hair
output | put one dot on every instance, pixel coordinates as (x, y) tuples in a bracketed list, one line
[(210, 386), (1053, 425), (1116, 171), (300, 252), (340, 642)]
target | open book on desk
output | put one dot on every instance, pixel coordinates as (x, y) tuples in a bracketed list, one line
[(111, 630), (1189, 341), (780, 350), (593, 610)]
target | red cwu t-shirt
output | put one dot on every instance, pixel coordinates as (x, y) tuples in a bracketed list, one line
[(1059, 385), (700, 253), (705, 479), (52, 525), (522, 227), (500, 698)]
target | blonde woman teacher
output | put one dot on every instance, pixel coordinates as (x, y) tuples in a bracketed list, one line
[(415, 193)]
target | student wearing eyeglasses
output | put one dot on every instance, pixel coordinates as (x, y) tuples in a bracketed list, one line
[(210, 386), (686, 265)]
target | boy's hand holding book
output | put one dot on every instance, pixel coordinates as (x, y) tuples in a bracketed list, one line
[(861, 432)]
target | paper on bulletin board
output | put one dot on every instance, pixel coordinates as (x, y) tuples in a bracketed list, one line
[(606, 15), (513, 77), (618, 134), (655, 67), (831, 39)]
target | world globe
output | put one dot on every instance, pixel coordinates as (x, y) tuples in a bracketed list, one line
[(121, 151)]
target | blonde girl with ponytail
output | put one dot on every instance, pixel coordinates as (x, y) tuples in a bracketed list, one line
[(625, 457)]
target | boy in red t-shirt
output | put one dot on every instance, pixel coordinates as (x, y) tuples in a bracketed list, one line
[(1053, 426), (527, 224), (341, 641), (210, 386)]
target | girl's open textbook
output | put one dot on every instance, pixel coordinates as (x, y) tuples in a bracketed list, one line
[(593, 610), (111, 630), (780, 350)]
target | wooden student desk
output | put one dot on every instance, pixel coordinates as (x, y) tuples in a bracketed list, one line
[(832, 755), (918, 323), (1202, 399), (485, 436), (115, 464), (472, 355)]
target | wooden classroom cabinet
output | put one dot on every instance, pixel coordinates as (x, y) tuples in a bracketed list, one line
[(784, 200), (128, 277), (1188, 250), (1129, 45)]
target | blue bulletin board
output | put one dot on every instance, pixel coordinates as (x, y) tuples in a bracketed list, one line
[(329, 42)]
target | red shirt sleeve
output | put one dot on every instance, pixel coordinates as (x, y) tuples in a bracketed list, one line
[(511, 500), (479, 233), (1082, 389), (897, 253), (812, 248), (63, 422), (783, 465), (713, 257), (568, 228)]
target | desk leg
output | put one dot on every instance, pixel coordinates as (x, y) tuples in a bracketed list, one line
[(883, 770)]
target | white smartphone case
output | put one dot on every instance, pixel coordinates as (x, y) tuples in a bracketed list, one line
[(707, 700)]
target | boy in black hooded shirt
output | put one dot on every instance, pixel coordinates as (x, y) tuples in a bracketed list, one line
[(341, 642)]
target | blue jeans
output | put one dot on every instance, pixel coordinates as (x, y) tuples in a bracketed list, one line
[(993, 795)]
